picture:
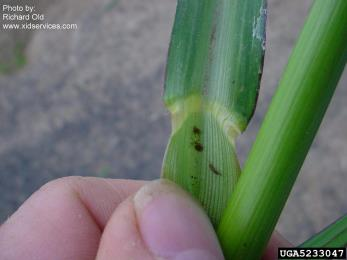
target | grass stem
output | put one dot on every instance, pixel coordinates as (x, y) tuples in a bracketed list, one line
[(287, 132)]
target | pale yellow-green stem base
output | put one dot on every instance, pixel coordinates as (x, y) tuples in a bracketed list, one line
[(201, 153)]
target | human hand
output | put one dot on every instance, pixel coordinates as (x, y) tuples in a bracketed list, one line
[(81, 218)]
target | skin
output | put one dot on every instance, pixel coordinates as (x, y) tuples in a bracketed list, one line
[(94, 218)]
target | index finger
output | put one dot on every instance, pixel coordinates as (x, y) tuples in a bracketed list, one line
[(64, 219)]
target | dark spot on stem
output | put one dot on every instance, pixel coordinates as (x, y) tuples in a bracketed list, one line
[(196, 130), (199, 147), (196, 139), (214, 170)]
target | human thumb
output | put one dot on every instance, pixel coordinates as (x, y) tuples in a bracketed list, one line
[(160, 222)]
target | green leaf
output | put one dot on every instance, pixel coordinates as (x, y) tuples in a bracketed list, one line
[(212, 81), (335, 235)]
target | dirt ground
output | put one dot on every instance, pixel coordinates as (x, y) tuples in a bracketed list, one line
[(88, 102)]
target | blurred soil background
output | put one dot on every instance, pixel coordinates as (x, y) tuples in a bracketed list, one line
[(88, 102)]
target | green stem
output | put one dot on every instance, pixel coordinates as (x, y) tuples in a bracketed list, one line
[(335, 235), (287, 132)]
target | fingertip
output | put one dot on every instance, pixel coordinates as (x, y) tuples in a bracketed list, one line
[(121, 238), (161, 221)]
